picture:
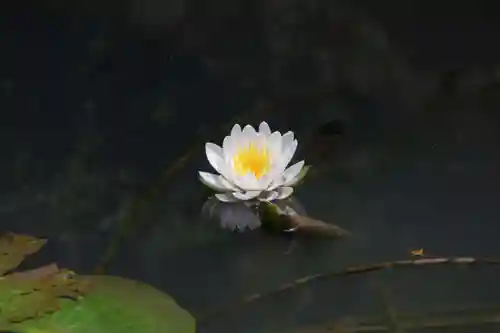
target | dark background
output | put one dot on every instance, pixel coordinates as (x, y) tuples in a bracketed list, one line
[(99, 98)]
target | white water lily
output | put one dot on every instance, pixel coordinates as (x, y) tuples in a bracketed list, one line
[(253, 165)]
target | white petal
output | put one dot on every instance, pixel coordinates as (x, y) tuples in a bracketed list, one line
[(274, 146), (216, 182), (293, 182), (275, 183), (248, 135), (247, 182), (248, 195), (287, 155), (228, 147), (287, 140), (263, 182), (276, 179), (239, 140), (291, 173), (264, 129), (284, 192), (268, 196), (248, 129), (214, 156), (261, 140), (236, 130), (235, 140), (260, 184), (278, 169), (226, 197)]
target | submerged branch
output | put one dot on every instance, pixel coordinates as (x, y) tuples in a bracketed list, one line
[(310, 226), (287, 220)]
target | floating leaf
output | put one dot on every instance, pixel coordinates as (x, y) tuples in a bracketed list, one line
[(114, 305), (24, 298), (31, 295), (52, 300), (14, 248)]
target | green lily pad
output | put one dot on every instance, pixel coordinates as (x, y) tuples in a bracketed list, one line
[(52, 300), (114, 305)]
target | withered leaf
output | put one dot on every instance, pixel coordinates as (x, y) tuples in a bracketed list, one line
[(32, 293), (14, 248), (43, 300), (30, 298)]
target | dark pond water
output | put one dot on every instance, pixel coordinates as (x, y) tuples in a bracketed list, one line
[(91, 116)]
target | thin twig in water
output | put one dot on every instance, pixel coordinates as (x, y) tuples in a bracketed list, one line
[(425, 261)]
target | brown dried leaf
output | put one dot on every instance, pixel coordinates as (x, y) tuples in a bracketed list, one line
[(65, 283), (28, 306), (35, 274), (14, 248), (37, 292), (29, 294)]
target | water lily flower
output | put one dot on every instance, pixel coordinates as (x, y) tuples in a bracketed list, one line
[(252, 165)]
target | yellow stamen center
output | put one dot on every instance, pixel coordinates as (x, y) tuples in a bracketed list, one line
[(251, 158)]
